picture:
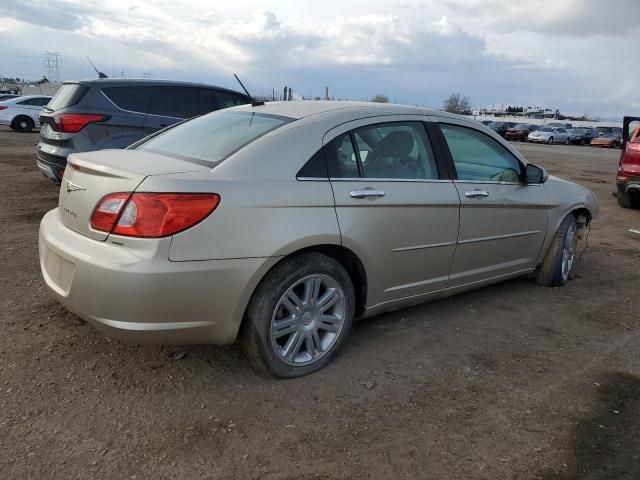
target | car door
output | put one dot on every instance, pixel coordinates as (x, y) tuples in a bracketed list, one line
[(503, 221), (396, 207), (561, 135)]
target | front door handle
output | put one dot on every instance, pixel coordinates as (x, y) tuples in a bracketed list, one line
[(476, 194), (366, 193)]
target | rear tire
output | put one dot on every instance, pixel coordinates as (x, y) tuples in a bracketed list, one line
[(627, 200), (556, 268), (287, 332), (23, 124)]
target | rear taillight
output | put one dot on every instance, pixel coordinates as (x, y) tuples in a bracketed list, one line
[(3, 107), (633, 146), (152, 215), (74, 122)]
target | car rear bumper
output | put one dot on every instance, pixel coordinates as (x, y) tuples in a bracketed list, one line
[(138, 295), (633, 183)]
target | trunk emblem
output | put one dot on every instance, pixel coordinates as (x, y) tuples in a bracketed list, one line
[(72, 187)]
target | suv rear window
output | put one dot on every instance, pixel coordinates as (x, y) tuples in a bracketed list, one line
[(133, 99), (68, 95), (211, 138)]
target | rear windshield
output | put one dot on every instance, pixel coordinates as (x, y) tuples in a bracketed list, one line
[(67, 95), (213, 137)]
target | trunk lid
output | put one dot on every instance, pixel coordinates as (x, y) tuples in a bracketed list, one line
[(92, 175)]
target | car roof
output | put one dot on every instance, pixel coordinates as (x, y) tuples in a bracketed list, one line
[(128, 82), (302, 109), (26, 97)]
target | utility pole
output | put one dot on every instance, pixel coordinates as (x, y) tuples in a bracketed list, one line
[(52, 64)]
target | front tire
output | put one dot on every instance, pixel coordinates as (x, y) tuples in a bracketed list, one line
[(567, 141), (299, 316), (557, 266), (550, 141), (22, 124)]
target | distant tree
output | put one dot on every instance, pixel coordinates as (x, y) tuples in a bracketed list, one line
[(380, 98), (456, 103)]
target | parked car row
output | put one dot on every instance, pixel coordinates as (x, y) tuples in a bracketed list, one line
[(557, 132)]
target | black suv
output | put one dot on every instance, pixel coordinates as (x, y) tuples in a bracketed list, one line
[(114, 113)]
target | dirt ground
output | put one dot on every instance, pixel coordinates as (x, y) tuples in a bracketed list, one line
[(513, 381)]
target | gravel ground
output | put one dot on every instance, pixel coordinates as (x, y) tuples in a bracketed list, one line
[(511, 381)]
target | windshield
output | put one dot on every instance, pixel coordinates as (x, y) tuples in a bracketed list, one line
[(545, 129), (213, 137), (521, 126)]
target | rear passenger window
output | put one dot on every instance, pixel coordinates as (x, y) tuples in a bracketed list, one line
[(133, 99), (181, 102), (478, 157), (228, 99), (384, 151)]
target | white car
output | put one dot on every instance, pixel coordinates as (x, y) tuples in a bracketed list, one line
[(550, 135), (21, 114)]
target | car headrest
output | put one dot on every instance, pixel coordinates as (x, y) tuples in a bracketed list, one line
[(396, 144)]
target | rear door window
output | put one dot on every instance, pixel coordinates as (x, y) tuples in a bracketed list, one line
[(181, 102), (132, 99)]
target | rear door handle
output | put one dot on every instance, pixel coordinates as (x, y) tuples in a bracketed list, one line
[(366, 193), (476, 194)]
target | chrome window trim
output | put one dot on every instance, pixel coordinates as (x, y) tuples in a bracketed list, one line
[(401, 180), (370, 180), (135, 111), (491, 182)]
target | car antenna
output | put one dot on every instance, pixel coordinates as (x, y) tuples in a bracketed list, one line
[(100, 74), (254, 103)]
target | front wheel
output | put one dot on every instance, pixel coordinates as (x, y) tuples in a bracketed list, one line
[(299, 317), (558, 263), (550, 141), (567, 141)]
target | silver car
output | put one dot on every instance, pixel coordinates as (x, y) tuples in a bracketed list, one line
[(280, 224), (550, 135)]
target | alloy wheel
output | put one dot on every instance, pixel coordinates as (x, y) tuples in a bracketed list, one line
[(568, 252), (307, 320)]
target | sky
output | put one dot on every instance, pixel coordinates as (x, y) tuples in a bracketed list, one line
[(576, 55)]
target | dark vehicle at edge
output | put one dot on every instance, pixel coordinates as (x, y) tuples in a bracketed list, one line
[(114, 113), (520, 132), (501, 127)]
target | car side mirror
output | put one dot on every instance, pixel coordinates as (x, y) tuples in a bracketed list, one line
[(534, 174)]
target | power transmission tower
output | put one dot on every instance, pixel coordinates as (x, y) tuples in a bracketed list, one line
[(52, 63)]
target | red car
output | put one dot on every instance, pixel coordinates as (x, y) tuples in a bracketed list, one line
[(628, 178), (520, 132)]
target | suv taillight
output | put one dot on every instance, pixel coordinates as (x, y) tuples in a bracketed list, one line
[(152, 215), (74, 122)]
